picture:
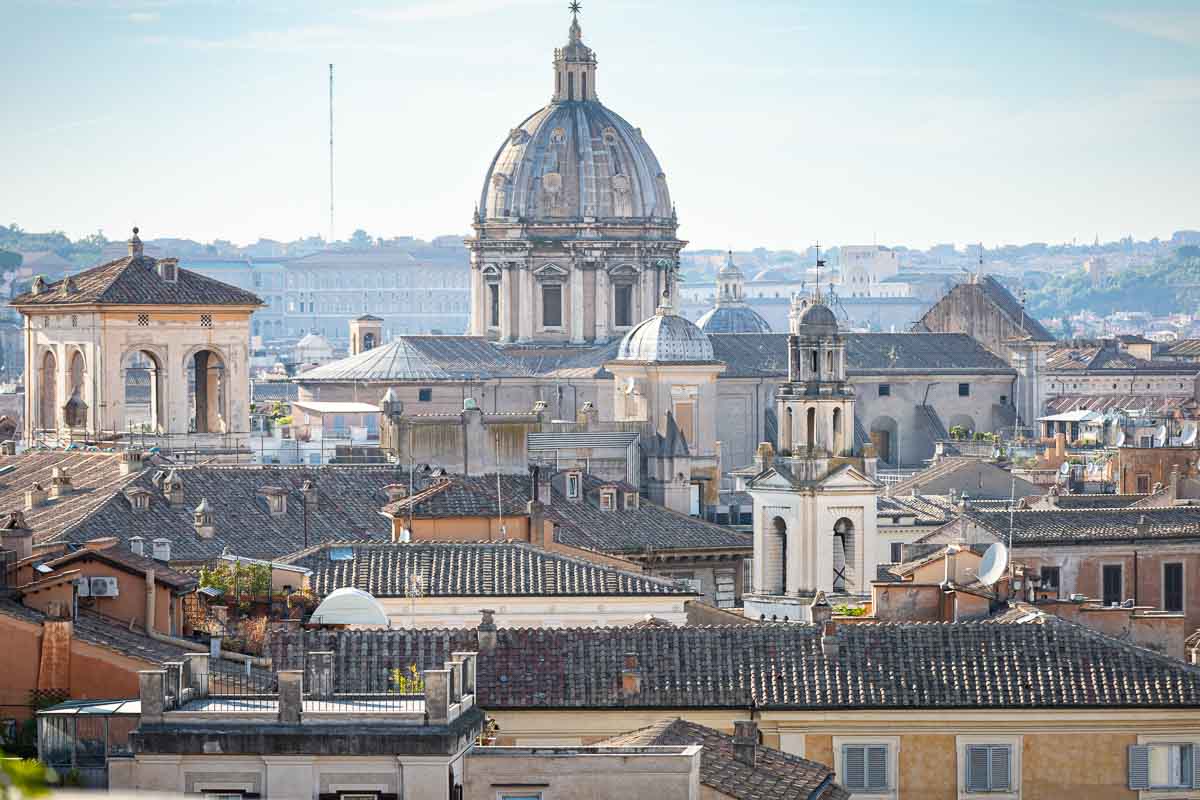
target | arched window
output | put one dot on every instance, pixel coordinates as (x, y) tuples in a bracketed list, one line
[(775, 568), (570, 85), (813, 358)]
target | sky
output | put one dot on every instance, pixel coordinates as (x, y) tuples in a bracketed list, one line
[(777, 123)]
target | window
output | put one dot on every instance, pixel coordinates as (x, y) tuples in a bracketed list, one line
[(341, 554), (521, 796), (206, 320), (1163, 766), (1143, 482), (493, 320), (1050, 580), (623, 306), (865, 767), (1003, 399), (143, 320), (988, 767), (608, 500), (1110, 575), (552, 306), (897, 552), (425, 395), (885, 390), (573, 485), (964, 390), (1173, 587)]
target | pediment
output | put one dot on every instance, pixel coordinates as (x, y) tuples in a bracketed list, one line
[(847, 477), (771, 479), (491, 271), (553, 271), (623, 270)]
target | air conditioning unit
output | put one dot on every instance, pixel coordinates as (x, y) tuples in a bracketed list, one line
[(83, 587), (104, 587)]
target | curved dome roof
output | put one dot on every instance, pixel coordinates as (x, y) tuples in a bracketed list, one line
[(666, 337), (575, 158), (349, 606), (738, 318), (817, 318)]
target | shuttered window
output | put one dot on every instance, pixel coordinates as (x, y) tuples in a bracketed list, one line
[(1164, 766), (865, 767), (989, 767)]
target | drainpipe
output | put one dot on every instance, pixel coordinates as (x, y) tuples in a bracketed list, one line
[(184, 643)]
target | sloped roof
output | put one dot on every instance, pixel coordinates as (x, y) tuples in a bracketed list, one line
[(776, 775), (1002, 297), (133, 280), (470, 569), (349, 499), (122, 557), (1029, 660), (1107, 356), (1103, 403), (1091, 524), (421, 358)]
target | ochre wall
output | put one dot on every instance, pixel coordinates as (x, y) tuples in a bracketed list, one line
[(18, 664), (928, 766), (1055, 766), (100, 674)]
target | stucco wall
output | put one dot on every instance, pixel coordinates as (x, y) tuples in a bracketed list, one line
[(19, 658), (583, 777)]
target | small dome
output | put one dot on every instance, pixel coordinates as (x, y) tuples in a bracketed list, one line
[(733, 319), (730, 269), (666, 337), (817, 318), (349, 606)]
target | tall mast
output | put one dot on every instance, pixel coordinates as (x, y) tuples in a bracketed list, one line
[(331, 154)]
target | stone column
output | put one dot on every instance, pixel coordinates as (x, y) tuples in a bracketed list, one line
[(649, 293), (576, 287), (603, 304), (291, 696), (527, 311), (506, 303), (476, 326), (437, 696), (198, 673), (150, 692)]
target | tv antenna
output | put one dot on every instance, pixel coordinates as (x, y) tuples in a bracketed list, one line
[(331, 154)]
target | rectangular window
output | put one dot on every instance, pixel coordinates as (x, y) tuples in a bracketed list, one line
[(572, 485), (623, 306), (989, 767), (425, 395), (1173, 587), (885, 390), (1111, 580), (1050, 580), (493, 320), (1162, 766), (552, 306), (897, 552), (865, 767), (964, 390), (1143, 483)]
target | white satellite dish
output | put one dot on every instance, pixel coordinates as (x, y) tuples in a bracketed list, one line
[(1190, 430), (995, 562), (629, 385), (1064, 468), (1120, 438), (1160, 436)]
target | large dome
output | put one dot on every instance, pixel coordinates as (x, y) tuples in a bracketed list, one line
[(575, 158), (666, 338)]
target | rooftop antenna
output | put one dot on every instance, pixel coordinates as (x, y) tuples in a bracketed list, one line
[(820, 264), (331, 154)]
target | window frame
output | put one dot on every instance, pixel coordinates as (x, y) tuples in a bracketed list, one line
[(1166, 739), (556, 288), (896, 552), (425, 394), (1014, 743), (964, 390), (1104, 567), (892, 743), (1057, 570), (1182, 587), (627, 290), (885, 390)]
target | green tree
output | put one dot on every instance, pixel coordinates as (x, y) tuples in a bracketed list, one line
[(9, 260)]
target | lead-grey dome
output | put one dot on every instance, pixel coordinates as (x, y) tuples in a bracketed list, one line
[(575, 158), (739, 318), (666, 338), (817, 318)]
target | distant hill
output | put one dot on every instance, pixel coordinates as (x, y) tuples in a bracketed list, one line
[(1169, 285)]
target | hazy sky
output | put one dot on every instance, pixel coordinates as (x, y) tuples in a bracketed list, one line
[(777, 123)]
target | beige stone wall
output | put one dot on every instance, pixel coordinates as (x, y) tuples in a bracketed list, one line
[(1055, 766), (582, 776)]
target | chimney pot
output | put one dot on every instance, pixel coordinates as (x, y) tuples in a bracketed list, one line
[(631, 675), (131, 462), (820, 611), (829, 640), (137, 545), (486, 632)]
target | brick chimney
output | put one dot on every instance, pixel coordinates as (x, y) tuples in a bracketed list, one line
[(745, 741), (829, 640), (16, 536), (131, 462), (60, 482), (486, 632), (631, 676), (35, 497)]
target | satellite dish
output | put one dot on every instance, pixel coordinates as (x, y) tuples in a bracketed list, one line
[(1190, 430), (995, 561), (1160, 436), (629, 385), (1064, 468), (1120, 438)]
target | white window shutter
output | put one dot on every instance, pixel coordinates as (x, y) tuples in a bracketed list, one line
[(977, 768), (1195, 767), (877, 771), (1139, 766), (854, 765), (1001, 761)]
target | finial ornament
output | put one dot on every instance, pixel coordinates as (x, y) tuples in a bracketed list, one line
[(575, 7)]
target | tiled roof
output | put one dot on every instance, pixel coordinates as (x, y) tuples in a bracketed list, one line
[(267, 391), (1152, 404), (123, 557), (579, 523), (993, 290), (775, 775), (1030, 661), (749, 355), (1183, 349), (349, 499), (134, 280), (422, 358), (1106, 356), (927, 509), (95, 477), (482, 569), (1099, 500), (1092, 524)]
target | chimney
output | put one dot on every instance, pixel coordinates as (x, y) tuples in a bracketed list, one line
[(829, 640), (820, 611), (631, 676), (137, 545), (537, 523), (950, 564), (161, 549), (8, 448), (202, 519), (135, 245), (486, 632), (764, 456), (172, 489), (395, 492), (1143, 527), (131, 462), (588, 415), (545, 487), (1174, 484), (35, 497), (276, 500), (60, 482), (745, 741), (16, 536)]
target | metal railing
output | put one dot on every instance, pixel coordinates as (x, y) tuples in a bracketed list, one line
[(370, 685)]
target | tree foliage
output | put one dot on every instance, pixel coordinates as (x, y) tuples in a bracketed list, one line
[(1168, 286), (236, 579)]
